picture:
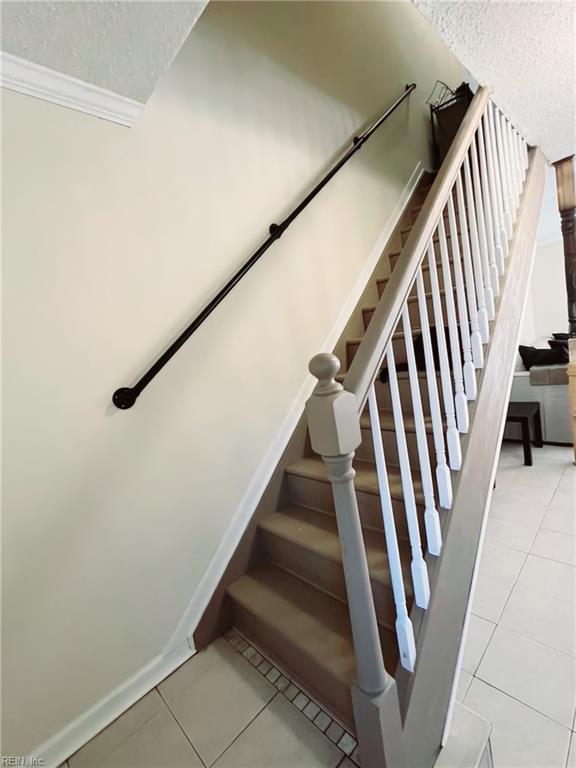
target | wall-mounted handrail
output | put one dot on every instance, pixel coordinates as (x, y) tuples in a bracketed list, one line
[(387, 314), (125, 397)]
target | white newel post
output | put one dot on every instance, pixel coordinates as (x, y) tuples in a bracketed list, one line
[(334, 427)]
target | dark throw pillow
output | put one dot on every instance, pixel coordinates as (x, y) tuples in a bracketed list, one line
[(563, 345), (560, 336), (532, 356)]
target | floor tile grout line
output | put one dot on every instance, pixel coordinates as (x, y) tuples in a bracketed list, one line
[(235, 739), (528, 706), (296, 684), (178, 723), (125, 739), (498, 624)]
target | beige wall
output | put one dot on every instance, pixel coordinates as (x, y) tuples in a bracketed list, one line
[(112, 239), (546, 304)]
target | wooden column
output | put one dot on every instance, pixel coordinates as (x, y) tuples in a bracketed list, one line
[(566, 189)]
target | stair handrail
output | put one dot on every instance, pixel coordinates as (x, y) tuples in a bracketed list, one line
[(125, 397), (370, 353)]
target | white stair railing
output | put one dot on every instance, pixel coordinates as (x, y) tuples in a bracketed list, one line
[(477, 191)]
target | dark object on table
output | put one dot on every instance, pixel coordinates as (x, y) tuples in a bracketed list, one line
[(534, 356), (560, 336), (521, 413), (447, 110)]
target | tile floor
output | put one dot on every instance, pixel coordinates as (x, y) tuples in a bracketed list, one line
[(519, 667), (228, 707)]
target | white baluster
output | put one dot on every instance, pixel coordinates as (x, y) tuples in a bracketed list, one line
[(476, 336), (452, 436), (517, 163), (490, 229), (482, 286), (498, 181), (460, 401), (431, 518), (525, 155), (497, 214), (443, 479), (418, 566), (519, 142), (507, 167), (468, 369), (489, 287), (503, 171), (513, 166), (404, 629)]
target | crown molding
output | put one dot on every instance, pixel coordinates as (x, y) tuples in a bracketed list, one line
[(23, 76)]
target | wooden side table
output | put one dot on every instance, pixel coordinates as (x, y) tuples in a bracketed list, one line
[(521, 413)]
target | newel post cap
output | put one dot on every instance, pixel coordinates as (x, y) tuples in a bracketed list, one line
[(332, 412)]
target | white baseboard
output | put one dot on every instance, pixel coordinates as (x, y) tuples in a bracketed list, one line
[(23, 76), (180, 646), (59, 747), (245, 510)]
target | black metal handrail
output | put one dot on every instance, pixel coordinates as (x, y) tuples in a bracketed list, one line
[(125, 397)]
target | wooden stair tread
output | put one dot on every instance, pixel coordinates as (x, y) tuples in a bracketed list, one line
[(313, 467), (318, 532), (387, 421), (411, 298), (395, 336), (308, 619)]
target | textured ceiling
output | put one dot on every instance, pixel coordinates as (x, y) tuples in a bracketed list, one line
[(121, 46), (527, 51)]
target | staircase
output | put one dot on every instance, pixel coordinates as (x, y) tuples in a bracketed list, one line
[(293, 603), (359, 582)]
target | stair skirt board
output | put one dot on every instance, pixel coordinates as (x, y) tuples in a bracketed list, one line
[(243, 515)]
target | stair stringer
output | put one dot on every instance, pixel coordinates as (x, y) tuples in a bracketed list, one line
[(428, 695)]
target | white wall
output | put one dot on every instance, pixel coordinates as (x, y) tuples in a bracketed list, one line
[(546, 304), (113, 238)]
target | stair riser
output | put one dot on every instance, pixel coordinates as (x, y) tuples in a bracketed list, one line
[(426, 272), (328, 690), (366, 449), (413, 311), (385, 401), (397, 345), (381, 285), (306, 492), (406, 234), (413, 215), (324, 573)]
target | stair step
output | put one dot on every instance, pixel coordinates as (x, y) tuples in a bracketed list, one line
[(366, 480), (365, 450), (352, 346), (405, 233), (425, 267), (306, 631), (387, 421), (306, 543), (413, 307)]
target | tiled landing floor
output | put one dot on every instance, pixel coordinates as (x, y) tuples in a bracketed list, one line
[(226, 707), (519, 668)]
